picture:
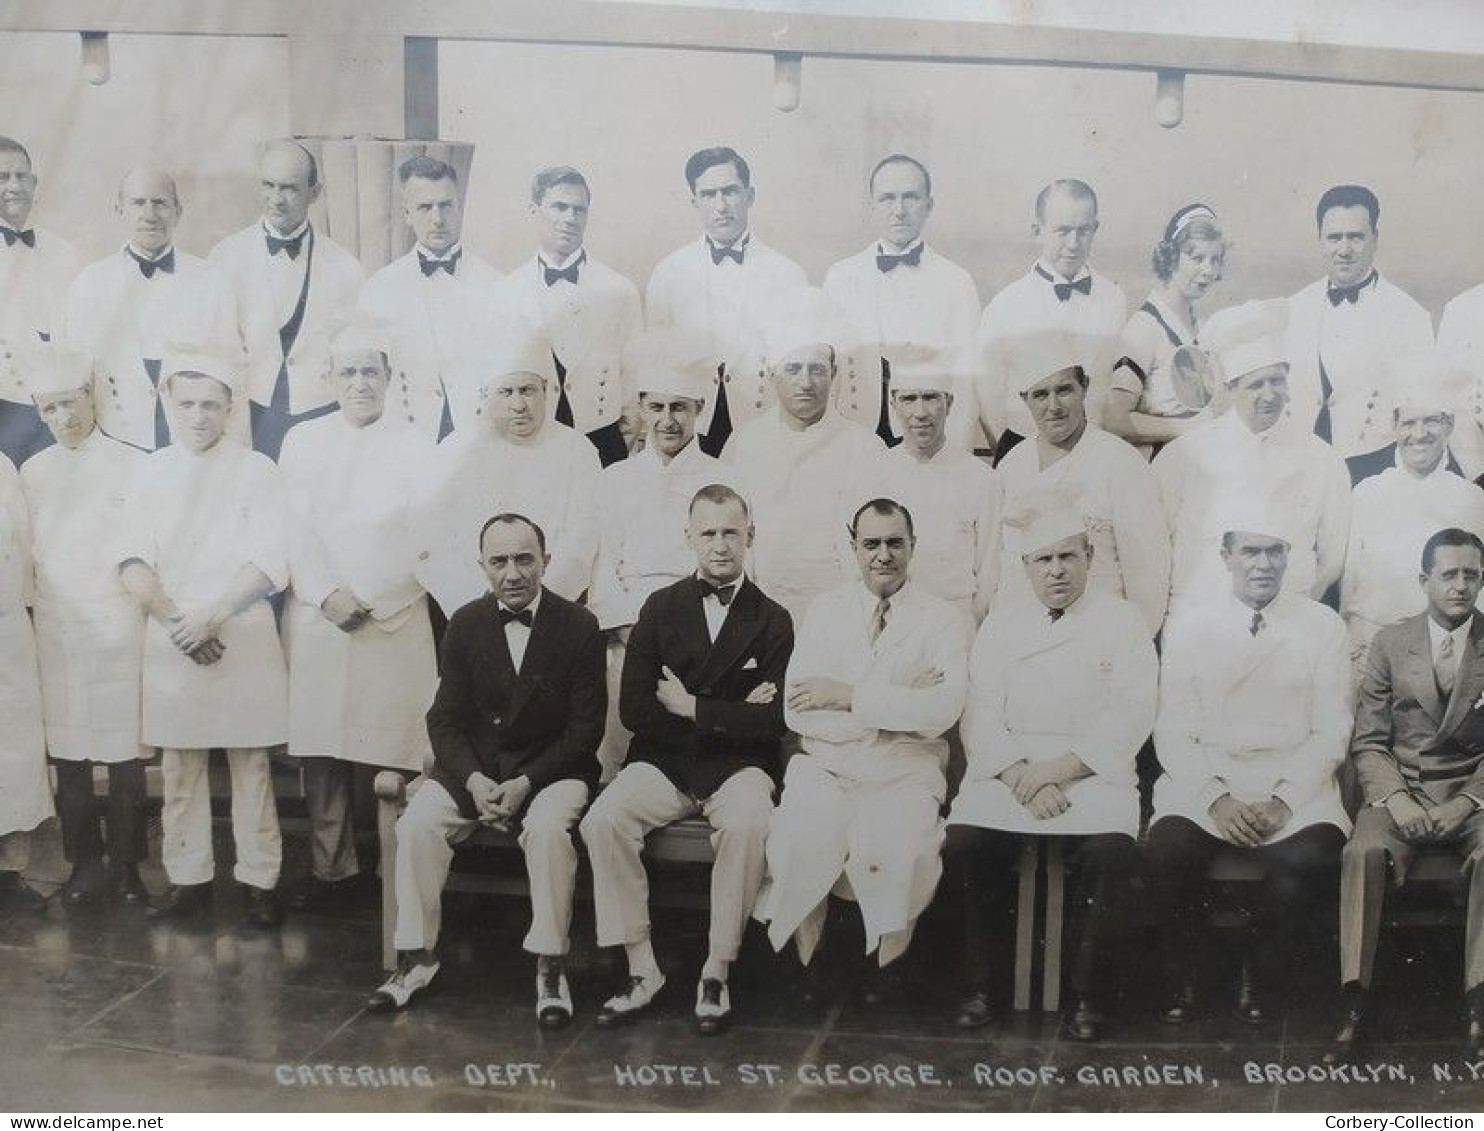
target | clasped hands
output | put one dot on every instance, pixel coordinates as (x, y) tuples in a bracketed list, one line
[(1039, 786), (497, 803), (1249, 823), (196, 634), (345, 610), (1417, 822)]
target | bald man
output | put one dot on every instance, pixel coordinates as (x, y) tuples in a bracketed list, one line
[(123, 311), (294, 286)]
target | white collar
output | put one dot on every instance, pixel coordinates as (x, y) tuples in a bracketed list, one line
[(531, 608), (565, 263), (882, 249), (130, 249), (740, 243), (295, 234), (444, 258), (1245, 611), (1055, 275)]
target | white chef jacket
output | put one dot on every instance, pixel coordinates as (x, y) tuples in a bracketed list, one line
[(34, 282), (25, 788)]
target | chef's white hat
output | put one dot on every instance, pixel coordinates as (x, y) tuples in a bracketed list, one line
[(671, 363), (1247, 337)]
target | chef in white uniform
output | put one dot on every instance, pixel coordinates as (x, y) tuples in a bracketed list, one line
[(1253, 456), (205, 546), (125, 310), (36, 268), (587, 310), (721, 286), (1061, 697), (1061, 293), (514, 459), (89, 635), (25, 791), (904, 298), (1343, 328), (1068, 463), (362, 670), (644, 502), (877, 677), (440, 299), (1254, 721), (804, 467), (954, 497), (293, 285)]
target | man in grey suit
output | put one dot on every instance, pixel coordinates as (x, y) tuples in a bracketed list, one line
[(1418, 749)]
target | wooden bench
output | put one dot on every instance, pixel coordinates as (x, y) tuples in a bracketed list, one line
[(684, 842)]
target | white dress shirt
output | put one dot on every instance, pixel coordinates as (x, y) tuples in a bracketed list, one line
[(518, 635)]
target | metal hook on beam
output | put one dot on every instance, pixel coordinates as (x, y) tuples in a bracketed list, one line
[(95, 64), (788, 74)]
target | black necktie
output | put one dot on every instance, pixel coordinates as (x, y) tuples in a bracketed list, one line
[(430, 265), (718, 253), (553, 275), (723, 593), (886, 262), (148, 267), (1257, 624), (291, 247), (522, 617), (1338, 295), (28, 237)]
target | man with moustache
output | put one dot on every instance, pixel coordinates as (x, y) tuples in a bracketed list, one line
[(588, 312), (36, 268), (1343, 328), (293, 284), (720, 287), (124, 311), (514, 725), (701, 694), (89, 635), (905, 299), (440, 300), (1418, 748), (1061, 294)]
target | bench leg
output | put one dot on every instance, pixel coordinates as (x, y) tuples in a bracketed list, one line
[(386, 828), (1025, 921), (1055, 910)]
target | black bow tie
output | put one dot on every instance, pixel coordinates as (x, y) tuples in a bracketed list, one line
[(887, 262), (1338, 295), (734, 253), (554, 275), (522, 617), (148, 267), (1056, 614), (430, 265), (291, 246), (723, 593), (28, 237)]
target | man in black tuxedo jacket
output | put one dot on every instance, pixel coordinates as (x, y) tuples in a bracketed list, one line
[(515, 727), (700, 692)]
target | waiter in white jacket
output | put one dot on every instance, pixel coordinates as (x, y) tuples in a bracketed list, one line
[(877, 677), (293, 285), (904, 298), (440, 299), (124, 311), (36, 268), (1343, 328), (588, 311), (721, 286), (204, 548), (1254, 721), (1061, 698), (89, 635), (362, 670)]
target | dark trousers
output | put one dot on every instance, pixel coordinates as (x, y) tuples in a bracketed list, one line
[(124, 813), (609, 442), (980, 870), (271, 423), (1296, 872)]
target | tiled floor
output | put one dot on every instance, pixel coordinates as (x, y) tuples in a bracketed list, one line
[(105, 1012)]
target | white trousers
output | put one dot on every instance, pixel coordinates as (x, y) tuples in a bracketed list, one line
[(186, 817), (432, 825), (640, 799), (615, 745)]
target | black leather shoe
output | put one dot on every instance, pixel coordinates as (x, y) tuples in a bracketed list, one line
[(1348, 1031), (1250, 1007), (17, 895), (1084, 1022), (183, 903), (128, 885), (974, 1011), (84, 885), (1180, 1005), (263, 907)]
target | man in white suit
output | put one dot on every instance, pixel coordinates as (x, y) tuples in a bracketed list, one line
[(1254, 721), (721, 287), (36, 268), (440, 299), (293, 285), (126, 310), (588, 311), (1061, 698), (877, 677), (904, 298), (1343, 328)]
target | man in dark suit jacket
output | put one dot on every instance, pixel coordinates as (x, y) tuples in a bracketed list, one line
[(700, 692), (1418, 748), (515, 727)]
